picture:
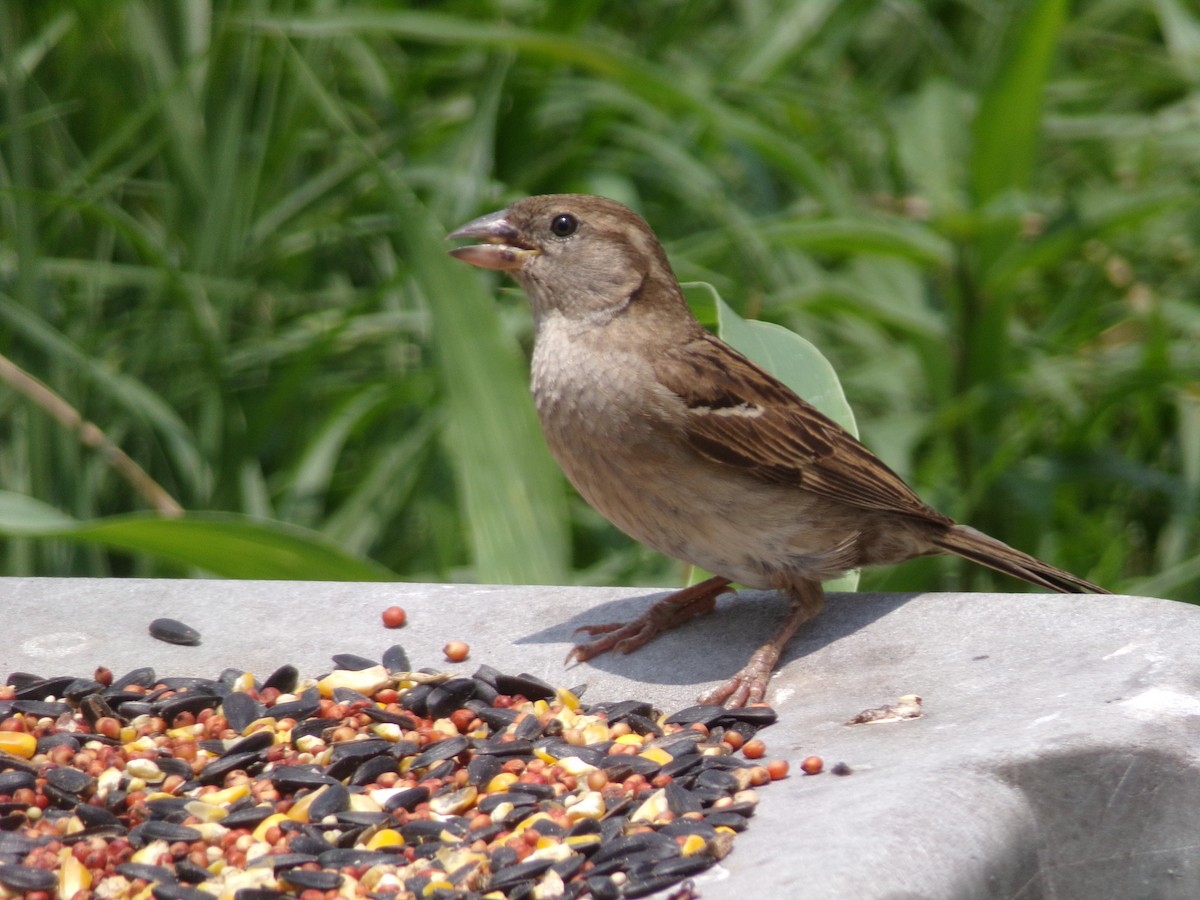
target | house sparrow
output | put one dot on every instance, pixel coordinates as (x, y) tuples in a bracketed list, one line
[(690, 448)]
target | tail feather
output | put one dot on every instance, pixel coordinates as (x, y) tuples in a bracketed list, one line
[(976, 546)]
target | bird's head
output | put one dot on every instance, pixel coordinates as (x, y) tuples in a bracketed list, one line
[(586, 257)]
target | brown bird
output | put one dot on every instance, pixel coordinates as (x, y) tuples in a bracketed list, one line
[(690, 448)]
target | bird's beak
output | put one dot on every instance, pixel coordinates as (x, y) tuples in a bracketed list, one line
[(502, 247)]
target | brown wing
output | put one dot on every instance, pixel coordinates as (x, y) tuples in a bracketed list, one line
[(741, 416)]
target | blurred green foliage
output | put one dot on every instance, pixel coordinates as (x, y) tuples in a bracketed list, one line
[(220, 241)]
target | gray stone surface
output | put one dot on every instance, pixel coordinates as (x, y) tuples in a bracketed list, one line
[(1057, 756)]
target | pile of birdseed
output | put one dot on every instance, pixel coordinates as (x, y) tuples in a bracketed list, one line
[(374, 781)]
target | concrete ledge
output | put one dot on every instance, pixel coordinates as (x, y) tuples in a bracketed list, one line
[(1057, 756)]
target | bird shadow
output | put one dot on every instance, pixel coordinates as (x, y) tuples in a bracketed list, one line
[(715, 646)]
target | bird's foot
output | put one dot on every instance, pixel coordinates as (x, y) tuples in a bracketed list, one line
[(750, 684), (664, 615)]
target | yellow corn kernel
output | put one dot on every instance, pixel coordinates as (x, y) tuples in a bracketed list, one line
[(299, 810), (531, 822), (501, 782), (386, 837), (228, 796), (658, 754), (266, 824), (18, 743), (73, 875)]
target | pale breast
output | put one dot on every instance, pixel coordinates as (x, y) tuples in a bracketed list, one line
[(609, 424)]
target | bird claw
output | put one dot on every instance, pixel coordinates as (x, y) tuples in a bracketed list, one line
[(621, 637), (667, 613), (746, 687)]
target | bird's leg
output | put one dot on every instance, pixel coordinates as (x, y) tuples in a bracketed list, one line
[(750, 684), (664, 615)]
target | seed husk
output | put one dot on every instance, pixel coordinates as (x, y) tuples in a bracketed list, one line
[(174, 632)]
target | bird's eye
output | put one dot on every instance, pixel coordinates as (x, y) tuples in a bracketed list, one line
[(564, 225)]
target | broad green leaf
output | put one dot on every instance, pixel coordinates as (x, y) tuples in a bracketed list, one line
[(790, 358), (224, 544)]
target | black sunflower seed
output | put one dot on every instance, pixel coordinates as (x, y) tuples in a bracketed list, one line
[(40, 708), (215, 771), (444, 749), (503, 748), (760, 716), (240, 710), (488, 803), (370, 771), (352, 662), (159, 830), (705, 714), (94, 707), (284, 679), (141, 677), (292, 778), (407, 799), (96, 816), (497, 718), (540, 791), (348, 696), (528, 685), (299, 709), (509, 876), (178, 892), (681, 800), (621, 767), (362, 817), (728, 819), (251, 743), (80, 688), (332, 799), (73, 781), (641, 886), (602, 887), (396, 660), (339, 857), (282, 861), (194, 702), (391, 718), (190, 873), (145, 872), (309, 844), (480, 770), (15, 780), (527, 728), (449, 696), (355, 752), (311, 728), (41, 688), (682, 866), (28, 878), (416, 697), (720, 779), (247, 818), (174, 632)]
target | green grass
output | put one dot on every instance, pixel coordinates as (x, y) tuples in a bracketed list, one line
[(220, 242)]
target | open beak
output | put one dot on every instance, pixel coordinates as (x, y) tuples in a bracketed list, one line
[(501, 249)]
